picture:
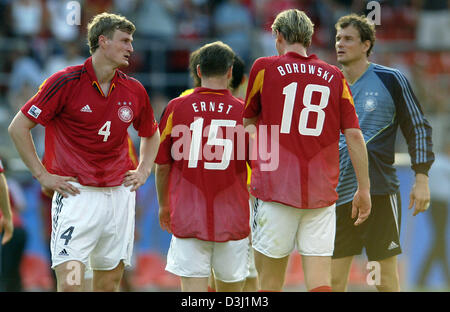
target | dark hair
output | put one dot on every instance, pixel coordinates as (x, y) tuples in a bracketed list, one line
[(365, 28), (193, 62), (105, 24), (215, 59), (238, 72)]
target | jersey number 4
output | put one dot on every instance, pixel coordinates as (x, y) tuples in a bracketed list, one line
[(67, 235), (105, 131), (289, 92)]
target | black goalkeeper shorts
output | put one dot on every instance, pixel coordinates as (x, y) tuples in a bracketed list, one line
[(379, 234)]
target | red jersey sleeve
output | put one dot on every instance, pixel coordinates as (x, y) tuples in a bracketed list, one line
[(165, 144), (349, 119), (49, 99), (254, 90), (1, 166), (145, 123)]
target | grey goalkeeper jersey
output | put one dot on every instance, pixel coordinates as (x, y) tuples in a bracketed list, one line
[(384, 101)]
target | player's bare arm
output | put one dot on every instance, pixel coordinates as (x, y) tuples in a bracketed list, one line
[(6, 223), (20, 132), (420, 194), (250, 121), (358, 155), (147, 154), (162, 188)]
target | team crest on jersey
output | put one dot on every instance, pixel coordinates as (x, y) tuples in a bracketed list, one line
[(125, 113), (371, 101)]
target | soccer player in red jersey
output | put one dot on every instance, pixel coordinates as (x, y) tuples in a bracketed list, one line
[(237, 86), (300, 104), (6, 217), (14, 236), (201, 182), (86, 110)]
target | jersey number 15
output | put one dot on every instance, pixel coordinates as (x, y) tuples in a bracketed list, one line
[(197, 129)]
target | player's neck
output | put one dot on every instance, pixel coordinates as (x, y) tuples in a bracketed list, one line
[(104, 70), (297, 48), (354, 70), (215, 83)]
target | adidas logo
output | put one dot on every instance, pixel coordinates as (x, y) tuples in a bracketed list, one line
[(393, 245), (63, 253), (86, 109)]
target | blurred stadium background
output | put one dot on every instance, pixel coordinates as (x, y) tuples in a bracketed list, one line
[(36, 41)]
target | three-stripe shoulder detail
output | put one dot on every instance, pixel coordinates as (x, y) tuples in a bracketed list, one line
[(60, 82)]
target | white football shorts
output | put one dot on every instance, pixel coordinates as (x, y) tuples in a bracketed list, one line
[(278, 229), (251, 257), (191, 257), (95, 227), (252, 273)]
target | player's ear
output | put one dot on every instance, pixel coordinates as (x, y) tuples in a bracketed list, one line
[(230, 72), (102, 40), (199, 72), (244, 78), (366, 46), (279, 36)]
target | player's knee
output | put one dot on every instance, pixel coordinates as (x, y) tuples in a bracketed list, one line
[(389, 283), (388, 287), (272, 282), (230, 287), (251, 284), (108, 283), (338, 284), (390, 280), (66, 287)]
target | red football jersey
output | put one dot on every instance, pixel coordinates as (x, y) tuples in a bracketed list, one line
[(303, 103), (208, 195), (86, 130), (17, 220)]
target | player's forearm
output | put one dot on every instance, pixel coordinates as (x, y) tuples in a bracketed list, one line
[(4, 198), (147, 153), (358, 155), (162, 184), (250, 121), (20, 133)]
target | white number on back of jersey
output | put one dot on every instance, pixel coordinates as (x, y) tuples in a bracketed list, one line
[(290, 91), (197, 129), (196, 142), (105, 130)]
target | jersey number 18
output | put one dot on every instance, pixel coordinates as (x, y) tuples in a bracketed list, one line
[(289, 92)]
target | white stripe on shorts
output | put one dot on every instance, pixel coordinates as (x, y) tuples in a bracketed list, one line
[(393, 198)]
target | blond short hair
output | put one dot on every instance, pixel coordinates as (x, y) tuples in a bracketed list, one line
[(295, 26), (105, 24)]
